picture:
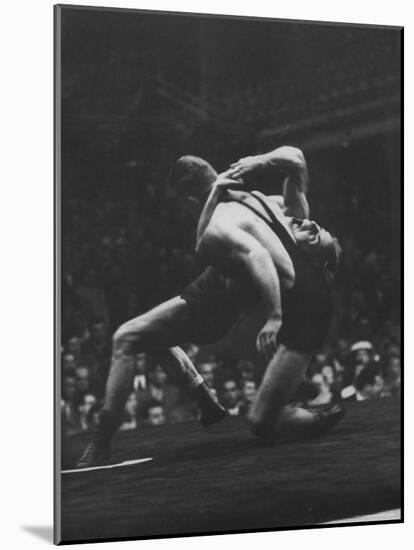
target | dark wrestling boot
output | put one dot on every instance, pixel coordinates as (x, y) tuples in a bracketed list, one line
[(98, 452), (211, 410), (326, 419)]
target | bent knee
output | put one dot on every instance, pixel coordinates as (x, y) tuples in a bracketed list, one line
[(129, 336), (262, 430), (262, 426)]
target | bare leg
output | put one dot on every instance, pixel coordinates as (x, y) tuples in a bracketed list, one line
[(269, 413), (161, 327), (156, 331)]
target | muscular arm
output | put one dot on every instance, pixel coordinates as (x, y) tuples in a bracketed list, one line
[(295, 184), (292, 162), (220, 186), (213, 199), (230, 249)]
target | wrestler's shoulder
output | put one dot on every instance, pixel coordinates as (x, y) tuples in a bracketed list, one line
[(231, 210)]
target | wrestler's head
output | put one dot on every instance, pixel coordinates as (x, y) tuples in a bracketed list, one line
[(191, 181), (317, 243)]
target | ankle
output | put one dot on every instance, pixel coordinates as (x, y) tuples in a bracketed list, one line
[(204, 396), (108, 423)]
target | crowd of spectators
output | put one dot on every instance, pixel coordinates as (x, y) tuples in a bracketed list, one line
[(127, 246), (123, 255), (344, 372)]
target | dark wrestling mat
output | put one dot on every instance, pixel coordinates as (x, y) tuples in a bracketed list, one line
[(203, 481)]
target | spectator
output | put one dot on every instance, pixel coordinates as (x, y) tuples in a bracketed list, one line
[(82, 381), (249, 390), (207, 372), (74, 348), (129, 420), (153, 413), (68, 364), (69, 406), (362, 352), (392, 377), (87, 410), (341, 352), (230, 398), (369, 384), (96, 353), (247, 370), (140, 379), (192, 350), (69, 390), (176, 405), (362, 355), (328, 373)]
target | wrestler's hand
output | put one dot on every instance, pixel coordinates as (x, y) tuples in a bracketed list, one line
[(247, 167), (226, 182), (266, 342)]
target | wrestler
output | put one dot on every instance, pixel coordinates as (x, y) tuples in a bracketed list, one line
[(305, 256), (161, 329)]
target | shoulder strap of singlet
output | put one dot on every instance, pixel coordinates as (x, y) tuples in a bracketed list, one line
[(276, 226)]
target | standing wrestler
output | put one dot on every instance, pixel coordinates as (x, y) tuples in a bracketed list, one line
[(163, 328)]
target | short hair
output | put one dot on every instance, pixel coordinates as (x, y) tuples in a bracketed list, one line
[(205, 363), (192, 175), (226, 381), (151, 404)]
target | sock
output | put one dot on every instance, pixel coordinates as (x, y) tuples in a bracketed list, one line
[(108, 424), (204, 398), (179, 368)]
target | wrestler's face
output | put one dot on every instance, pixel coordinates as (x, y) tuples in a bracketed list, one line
[(311, 238)]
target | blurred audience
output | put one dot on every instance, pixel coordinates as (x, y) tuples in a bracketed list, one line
[(118, 259)]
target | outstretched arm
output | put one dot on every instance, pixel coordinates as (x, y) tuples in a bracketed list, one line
[(287, 159), (220, 186), (232, 249)]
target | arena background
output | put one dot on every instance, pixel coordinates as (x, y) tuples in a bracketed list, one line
[(138, 90)]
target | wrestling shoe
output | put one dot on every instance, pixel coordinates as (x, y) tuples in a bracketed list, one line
[(212, 416), (98, 452), (326, 419), (211, 411)]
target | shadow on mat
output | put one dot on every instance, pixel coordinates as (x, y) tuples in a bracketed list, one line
[(44, 532)]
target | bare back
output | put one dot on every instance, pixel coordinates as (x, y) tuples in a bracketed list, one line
[(243, 218)]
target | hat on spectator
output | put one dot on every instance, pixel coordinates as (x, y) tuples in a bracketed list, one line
[(363, 344)]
